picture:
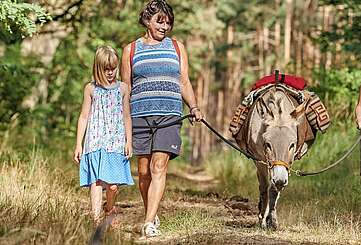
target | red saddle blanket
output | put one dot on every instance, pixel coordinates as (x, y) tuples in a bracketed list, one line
[(296, 82)]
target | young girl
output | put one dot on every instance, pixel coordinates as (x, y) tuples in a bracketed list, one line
[(105, 117)]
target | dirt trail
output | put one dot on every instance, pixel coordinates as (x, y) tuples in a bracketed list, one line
[(235, 218)]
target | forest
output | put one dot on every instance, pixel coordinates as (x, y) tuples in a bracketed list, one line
[(46, 54)]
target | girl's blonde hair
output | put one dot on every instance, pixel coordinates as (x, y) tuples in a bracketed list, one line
[(106, 57)]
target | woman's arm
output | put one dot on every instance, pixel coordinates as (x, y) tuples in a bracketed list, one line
[(358, 110), (82, 121), (125, 70), (186, 86), (127, 120)]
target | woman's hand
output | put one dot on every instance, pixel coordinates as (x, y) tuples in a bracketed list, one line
[(197, 114), (128, 150), (77, 154)]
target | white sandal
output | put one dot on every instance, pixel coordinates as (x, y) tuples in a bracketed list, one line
[(149, 230), (156, 221)]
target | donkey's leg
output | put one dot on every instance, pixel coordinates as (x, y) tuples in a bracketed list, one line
[(263, 180), (272, 215)]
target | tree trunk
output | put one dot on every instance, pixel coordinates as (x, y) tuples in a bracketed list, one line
[(288, 30), (228, 88), (277, 38), (299, 52), (260, 51), (266, 47)]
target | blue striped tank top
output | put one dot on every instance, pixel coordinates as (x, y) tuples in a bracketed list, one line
[(155, 80)]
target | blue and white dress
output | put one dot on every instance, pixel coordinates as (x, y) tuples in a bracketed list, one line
[(103, 154)]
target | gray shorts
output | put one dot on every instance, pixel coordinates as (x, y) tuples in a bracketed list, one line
[(147, 141)]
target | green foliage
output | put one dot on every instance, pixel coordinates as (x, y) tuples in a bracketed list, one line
[(339, 90), (346, 30), (18, 75), (18, 20)]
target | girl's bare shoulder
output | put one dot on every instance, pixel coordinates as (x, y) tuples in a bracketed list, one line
[(89, 87)]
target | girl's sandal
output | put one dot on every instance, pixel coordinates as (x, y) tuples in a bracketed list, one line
[(111, 218), (97, 222)]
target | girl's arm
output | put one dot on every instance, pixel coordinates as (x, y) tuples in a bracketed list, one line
[(82, 121), (127, 120), (358, 110), (186, 86)]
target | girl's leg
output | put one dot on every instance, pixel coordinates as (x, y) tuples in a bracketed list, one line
[(158, 169), (144, 177), (96, 199), (111, 194)]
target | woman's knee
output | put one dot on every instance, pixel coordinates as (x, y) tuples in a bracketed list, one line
[(159, 166)]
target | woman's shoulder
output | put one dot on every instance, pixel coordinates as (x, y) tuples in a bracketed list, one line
[(129, 45), (180, 44), (128, 48)]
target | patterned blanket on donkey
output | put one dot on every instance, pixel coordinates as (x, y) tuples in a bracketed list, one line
[(315, 111)]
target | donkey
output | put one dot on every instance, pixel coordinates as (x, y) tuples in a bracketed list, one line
[(272, 139)]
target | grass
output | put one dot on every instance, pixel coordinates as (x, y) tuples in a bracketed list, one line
[(188, 222), (35, 205), (41, 203), (236, 174)]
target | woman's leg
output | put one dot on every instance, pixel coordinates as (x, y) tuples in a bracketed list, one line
[(96, 199), (144, 177), (158, 169)]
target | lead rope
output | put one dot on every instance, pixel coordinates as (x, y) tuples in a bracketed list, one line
[(303, 173), (300, 173), (248, 155)]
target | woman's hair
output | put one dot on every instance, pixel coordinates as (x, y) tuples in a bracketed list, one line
[(153, 7), (105, 57)]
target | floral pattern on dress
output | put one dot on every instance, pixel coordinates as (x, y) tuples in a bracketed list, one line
[(105, 128)]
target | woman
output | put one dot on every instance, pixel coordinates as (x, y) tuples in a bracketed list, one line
[(156, 68)]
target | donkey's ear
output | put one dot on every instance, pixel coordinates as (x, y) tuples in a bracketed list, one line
[(298, 112), (300, 109), (263, 110)]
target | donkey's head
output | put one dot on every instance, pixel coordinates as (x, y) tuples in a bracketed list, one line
[(279, 134)]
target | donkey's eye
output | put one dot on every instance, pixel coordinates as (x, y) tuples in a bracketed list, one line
[(268, 146), (292, 146)]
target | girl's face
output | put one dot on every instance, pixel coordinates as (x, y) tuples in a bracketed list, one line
[(111, 73), (158, 26)]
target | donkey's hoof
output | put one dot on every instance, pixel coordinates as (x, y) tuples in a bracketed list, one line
[(272, 223), (263, 224)]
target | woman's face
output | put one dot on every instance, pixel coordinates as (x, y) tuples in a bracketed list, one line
[(159, 26)]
